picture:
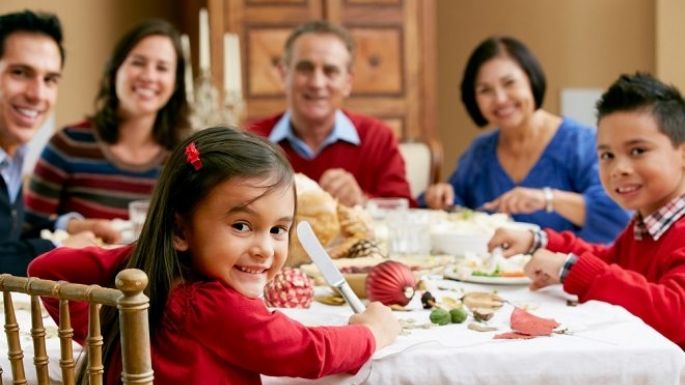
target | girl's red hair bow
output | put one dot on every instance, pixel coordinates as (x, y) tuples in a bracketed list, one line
[(193, 156)]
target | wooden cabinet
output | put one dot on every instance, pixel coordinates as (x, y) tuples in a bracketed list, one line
[(394, 66)]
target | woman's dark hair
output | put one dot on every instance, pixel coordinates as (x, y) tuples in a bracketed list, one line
[(493, 47), (225, 153), (643, 91), (171, 123)]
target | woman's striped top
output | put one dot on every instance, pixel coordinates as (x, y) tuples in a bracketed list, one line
[(77, 172)]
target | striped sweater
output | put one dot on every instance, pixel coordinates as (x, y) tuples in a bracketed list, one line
[(77, 173)]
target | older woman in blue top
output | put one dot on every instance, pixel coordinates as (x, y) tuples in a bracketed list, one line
[(536, 166)]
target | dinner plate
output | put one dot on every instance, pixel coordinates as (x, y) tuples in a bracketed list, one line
[(488, 280)]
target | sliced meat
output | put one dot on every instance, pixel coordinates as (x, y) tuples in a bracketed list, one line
[(528, 324), (512, 336)]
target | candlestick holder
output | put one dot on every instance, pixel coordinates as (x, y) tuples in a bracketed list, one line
[(234, 108), (208, 110)]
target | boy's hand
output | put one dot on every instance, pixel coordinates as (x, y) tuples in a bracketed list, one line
[(383, 324), (511, 241), (543, 269)]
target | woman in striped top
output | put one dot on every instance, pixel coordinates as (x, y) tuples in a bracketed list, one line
[(95, 168)]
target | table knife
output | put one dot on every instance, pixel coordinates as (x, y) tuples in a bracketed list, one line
[(323, 261)]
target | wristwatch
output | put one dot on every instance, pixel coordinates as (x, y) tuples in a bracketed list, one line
[(549, 199)]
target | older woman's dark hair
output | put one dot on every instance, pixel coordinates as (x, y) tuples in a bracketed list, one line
[(171, 123), (643, 91), (493, 47)]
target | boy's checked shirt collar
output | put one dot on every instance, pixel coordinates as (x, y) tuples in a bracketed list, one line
[(343, 130), (658, 222)]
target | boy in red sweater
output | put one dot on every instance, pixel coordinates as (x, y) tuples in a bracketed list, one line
[(641, 150)]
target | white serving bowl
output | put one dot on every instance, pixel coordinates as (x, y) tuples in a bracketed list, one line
[(459, 243)]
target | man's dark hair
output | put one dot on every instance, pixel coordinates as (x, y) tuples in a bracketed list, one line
[(643, 91), (32, 22), (322, 27)]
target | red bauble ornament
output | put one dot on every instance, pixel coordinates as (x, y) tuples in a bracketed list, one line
[(391, 283)]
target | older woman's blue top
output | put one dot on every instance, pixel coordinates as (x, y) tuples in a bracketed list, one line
[(569, 162)]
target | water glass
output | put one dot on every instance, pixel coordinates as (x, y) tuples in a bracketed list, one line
[(378, 208), (408, 232), (137, 211)]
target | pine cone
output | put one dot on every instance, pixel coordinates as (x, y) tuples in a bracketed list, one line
[(364, 248)]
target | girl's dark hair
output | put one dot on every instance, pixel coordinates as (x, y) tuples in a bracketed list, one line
[(171, 123), (643, 91), (225, 153), (493, 47)]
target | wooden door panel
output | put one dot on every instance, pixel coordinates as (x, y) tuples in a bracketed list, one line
[(264, 50), (378, 61), (372, 2), (291, 12), (397, 126)]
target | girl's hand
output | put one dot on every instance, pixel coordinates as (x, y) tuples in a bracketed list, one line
[(380, 320), (439, 196), (543, 269), (511, 241), (519, 200)]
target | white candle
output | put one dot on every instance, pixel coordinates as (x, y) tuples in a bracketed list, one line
[(185, 46), (232, 70), (204, 40)]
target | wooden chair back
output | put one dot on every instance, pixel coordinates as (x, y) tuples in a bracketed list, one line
[(133, 323), (422, 161)]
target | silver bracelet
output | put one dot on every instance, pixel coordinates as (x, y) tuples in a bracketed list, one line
[(549, 199)]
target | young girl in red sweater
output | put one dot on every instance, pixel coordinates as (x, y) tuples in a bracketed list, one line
[(641, 149), (217, 230)]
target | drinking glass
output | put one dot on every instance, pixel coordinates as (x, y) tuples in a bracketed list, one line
[(137, 211)]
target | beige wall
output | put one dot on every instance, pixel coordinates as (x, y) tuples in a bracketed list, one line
[(670, 34), (91, 27), (580, 43)]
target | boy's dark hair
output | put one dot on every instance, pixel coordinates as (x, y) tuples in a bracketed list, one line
[(33, 22), (225, 153), (490, 48), (642, 91), (171, 123), (318, 27)]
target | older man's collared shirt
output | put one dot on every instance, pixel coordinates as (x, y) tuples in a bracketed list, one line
[(343, 130), (658, 222), (10, 169)]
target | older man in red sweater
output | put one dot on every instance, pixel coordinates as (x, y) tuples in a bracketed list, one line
[(353, 157)]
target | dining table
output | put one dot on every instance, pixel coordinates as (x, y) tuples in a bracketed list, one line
[(596, 343)]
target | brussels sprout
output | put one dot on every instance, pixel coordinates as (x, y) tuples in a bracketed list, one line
[(458, 315), (440, 316)]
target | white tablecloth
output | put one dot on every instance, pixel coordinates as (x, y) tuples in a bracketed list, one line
[(23, 315), (607, 345)]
